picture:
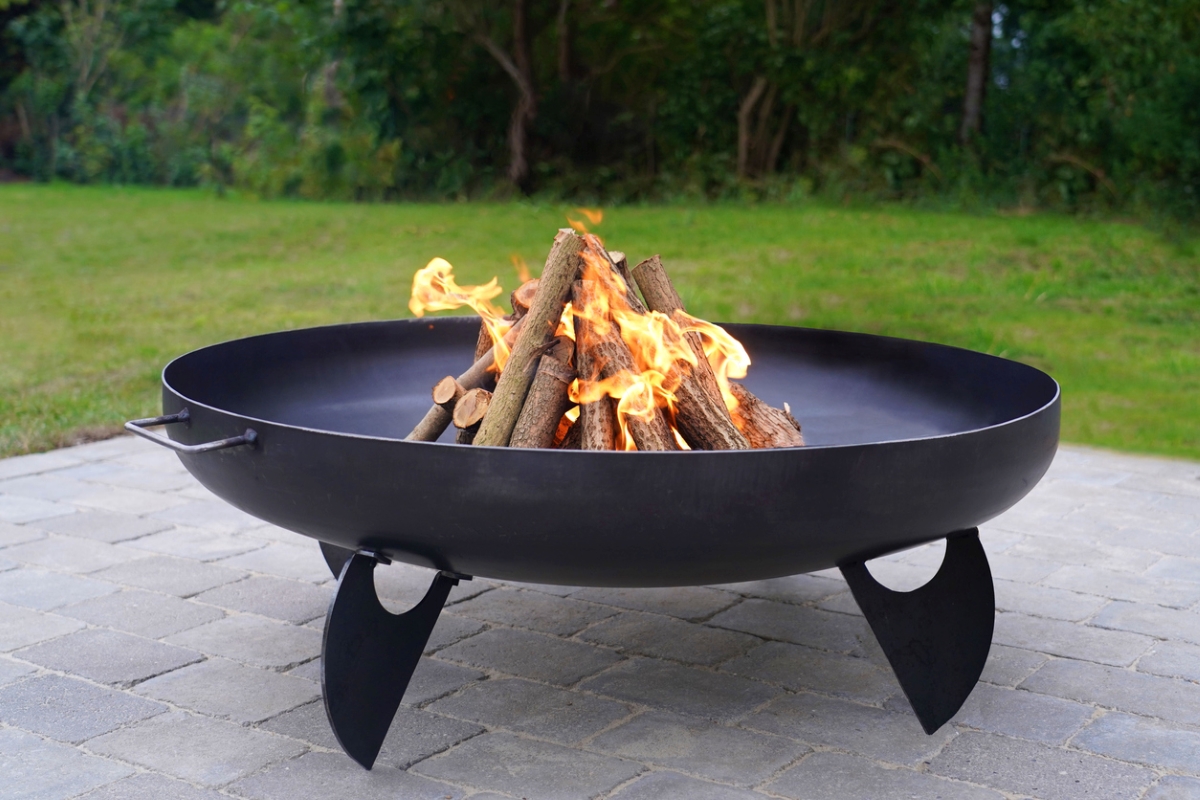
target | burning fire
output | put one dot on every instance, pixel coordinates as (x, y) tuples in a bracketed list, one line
[(660, 346), (434, 289)]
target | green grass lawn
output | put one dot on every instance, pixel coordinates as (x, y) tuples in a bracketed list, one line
[(99, 287)]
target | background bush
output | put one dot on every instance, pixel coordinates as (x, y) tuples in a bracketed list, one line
[(1089, 104)]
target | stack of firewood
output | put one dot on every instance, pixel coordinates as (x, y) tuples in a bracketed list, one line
[(554, 389)]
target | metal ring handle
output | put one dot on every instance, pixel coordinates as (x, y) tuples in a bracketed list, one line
[(138, 426)]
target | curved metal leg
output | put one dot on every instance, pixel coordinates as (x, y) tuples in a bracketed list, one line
[(936, 637), (369, 654), (336, 557)]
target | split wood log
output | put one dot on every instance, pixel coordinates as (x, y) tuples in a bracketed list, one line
[(700, 412), (446, 393), (562, 266), (522, 297), (547, 400), (620, 264), (573, 440), (765, 425), (437, 419), (611, 355), (469, 412)]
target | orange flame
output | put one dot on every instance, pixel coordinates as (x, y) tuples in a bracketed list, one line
[(434, 289), (594, 217), (521, 267)]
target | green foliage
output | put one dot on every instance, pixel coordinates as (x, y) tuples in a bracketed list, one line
[(1091, 105)]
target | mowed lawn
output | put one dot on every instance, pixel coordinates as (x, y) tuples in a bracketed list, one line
[(99, 287)]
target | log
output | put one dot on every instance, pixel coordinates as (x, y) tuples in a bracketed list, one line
[(547, 400), (446, 393), (437, 419), (764, 425), (700, 412), (620, 264), (469, 412), (574, 438), (612, 356), (522, 297), (562, 266)]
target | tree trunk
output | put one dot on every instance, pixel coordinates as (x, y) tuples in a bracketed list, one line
[(519, 67), (563, 29), (977, 72), (745, 111)]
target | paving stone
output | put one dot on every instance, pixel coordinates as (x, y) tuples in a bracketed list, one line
[(68, 554), (799, 668), (824, 630), (561, 616), (1008, 567), (20, 627), (1176, 568), (1069, 639), (323, 775), (226, 689), (1165, 623), (539, 710), (1028, 768), (152, 458), (87, 470), (108, 656), (196, 749), (835, 775), (11, 671), (1008, 666), (123, 444), (665, 637), (70, 710), (1148, 536), (144, 479), (47, 486), (689, 690), (126, 501), (1124, 690), (35, 769), (414, 735), (673, 786), (5, 564), (252, 640), (529, 769), (142, 613), (195, 543), (450, 629), (178, 576), (1123, 586), (1064, 551), (895, 738), (284, 561), (433, 679), (103, 526), (11, 534), (151, 786), (841, 603), (1172, 660), (16, 509), (901, 576), (33, 464), (288, 600), (1175, 787), (1043, 601), (1024, 715), (42, 590), (699, 747), (531, 655), (401, 586), (1143, 741), (214, 515), (684, 602)]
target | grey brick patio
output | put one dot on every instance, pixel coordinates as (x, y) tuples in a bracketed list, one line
[(156, 643)]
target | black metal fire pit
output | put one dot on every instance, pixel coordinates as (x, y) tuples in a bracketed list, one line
[(909, 442)]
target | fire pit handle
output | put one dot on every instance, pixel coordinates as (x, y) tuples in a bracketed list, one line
[(138, 426)]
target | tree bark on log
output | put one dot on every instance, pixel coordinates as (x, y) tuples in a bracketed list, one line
[(574, 438), (547, 400), (764, 425), (562, 266), (612, 356), (700, 413), (437, 419)]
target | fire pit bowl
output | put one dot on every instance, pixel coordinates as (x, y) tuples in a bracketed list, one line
[(908, 442)]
